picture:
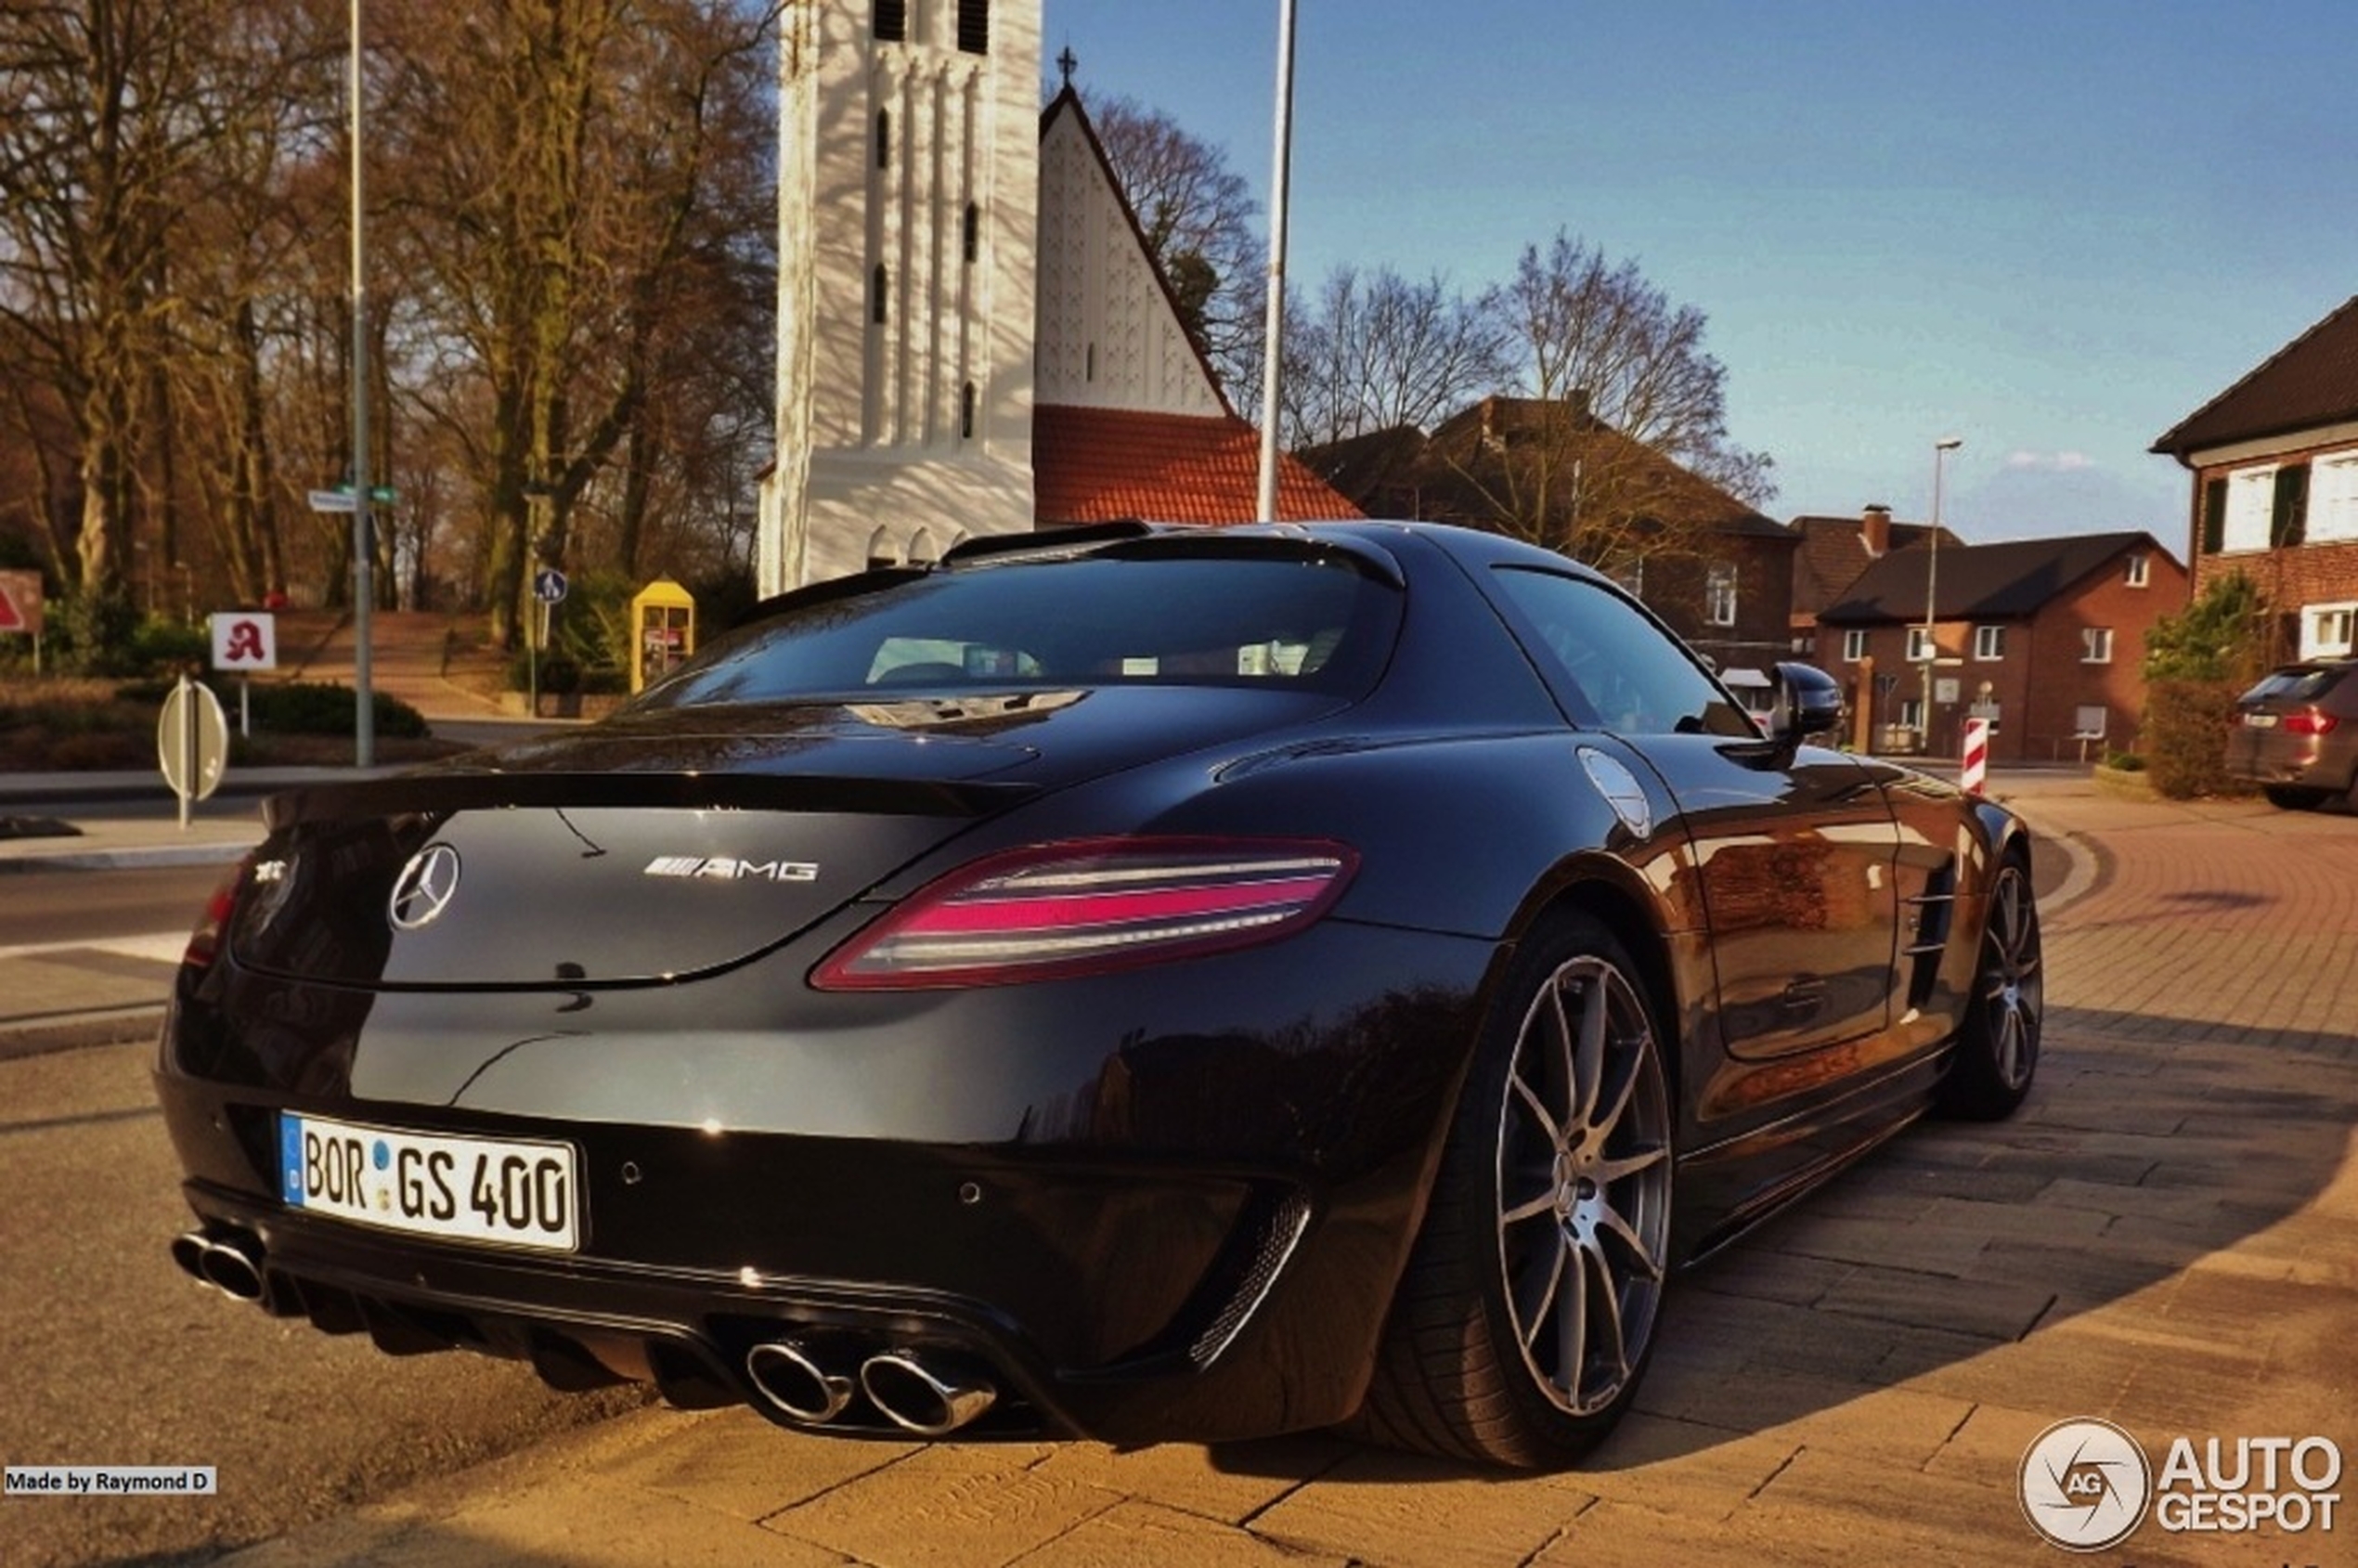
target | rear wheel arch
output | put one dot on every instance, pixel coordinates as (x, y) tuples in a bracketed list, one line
[(1627, 914)]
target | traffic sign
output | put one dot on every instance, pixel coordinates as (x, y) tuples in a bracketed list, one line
[(192, 742), (20, 602), (244, 642), (548, 586)]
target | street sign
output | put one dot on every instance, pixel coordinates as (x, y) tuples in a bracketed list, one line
[(192, 742), (243, 642), (340, 498), (548, 586), (20, 602)]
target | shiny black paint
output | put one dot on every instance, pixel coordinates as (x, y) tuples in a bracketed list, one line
[(1071, 1180)]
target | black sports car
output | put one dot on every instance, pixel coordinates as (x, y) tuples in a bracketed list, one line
[(1137, 982)]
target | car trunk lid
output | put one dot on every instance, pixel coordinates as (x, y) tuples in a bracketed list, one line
[(652, 849)]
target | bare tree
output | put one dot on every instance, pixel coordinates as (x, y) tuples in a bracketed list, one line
[(1614, 381), (557, 168), (1199, 218), (111, 105), (1375, 352)]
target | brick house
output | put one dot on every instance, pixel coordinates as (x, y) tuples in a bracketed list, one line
[(1835, 551), (1722, 578), (2046, 638), (2274, 460)]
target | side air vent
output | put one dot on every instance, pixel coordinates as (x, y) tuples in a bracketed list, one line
[(1931, 915)]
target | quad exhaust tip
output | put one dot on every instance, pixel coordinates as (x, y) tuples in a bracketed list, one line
[(231, 1263), (921, 1394), (806, 1383)]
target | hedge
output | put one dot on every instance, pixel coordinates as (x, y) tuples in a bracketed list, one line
[(2187, 725)]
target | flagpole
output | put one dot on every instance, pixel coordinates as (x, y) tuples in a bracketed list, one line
[(1273, 348), (364, 718)]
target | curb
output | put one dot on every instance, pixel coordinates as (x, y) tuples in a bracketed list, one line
[(77, 1032), (126, 860)]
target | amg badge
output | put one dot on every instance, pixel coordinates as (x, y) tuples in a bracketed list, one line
[(724, 868)]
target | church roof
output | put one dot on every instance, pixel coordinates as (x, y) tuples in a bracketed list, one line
[(1093, 465)]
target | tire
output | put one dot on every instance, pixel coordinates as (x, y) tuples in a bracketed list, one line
[(1528, 1310), (2289, 798), (1996, 1051)]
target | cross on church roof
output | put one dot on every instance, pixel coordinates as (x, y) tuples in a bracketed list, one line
[(1066, 63)]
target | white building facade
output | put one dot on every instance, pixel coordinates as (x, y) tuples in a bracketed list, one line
[(909, 159)]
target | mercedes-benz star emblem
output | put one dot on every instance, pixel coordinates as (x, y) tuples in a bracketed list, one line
[(424, 887)]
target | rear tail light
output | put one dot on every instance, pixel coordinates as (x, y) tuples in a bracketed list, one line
[(1058, 910), (2311, 722), (205, 942)]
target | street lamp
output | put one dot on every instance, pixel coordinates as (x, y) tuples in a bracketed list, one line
[(1940, 450)]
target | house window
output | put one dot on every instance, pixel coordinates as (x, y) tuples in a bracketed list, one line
[(1920, 645), (2088, 721), (892, 20), (879, 286), (971, 242), (2327, 630), (2333, 498), (1719, 595), (2251, 506), (974, 26), (2095, 644), (1989, 643), (883, 138), (1854, 645), (2140, 569), (1911, 713)]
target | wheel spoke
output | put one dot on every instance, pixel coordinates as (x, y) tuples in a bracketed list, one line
[(1588, 1059), (1531, 1323), (1602, 1125), (1613, 1222), (1529, 1208), (1609, 1297), (1562, 1054), (1538, 1111), (1571, 1321), (1606, 1172)]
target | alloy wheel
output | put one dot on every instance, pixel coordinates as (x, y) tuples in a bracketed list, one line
[(2013, 991), (1584, 1185)]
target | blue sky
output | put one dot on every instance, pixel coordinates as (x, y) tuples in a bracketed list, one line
[(2053, 227)]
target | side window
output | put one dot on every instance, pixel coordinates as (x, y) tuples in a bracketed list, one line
[(1613, 666)]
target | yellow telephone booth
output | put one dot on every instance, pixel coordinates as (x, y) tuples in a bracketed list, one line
[(663, 630)]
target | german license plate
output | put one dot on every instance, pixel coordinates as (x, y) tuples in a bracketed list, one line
[(2261, 720), (515, 1192)]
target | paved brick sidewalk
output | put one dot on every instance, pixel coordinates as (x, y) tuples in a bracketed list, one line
[(2166, 1238)]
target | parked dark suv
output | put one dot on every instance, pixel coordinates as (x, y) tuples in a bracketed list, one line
[(2295, 734)]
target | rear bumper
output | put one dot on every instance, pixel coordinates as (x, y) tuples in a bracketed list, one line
[(1190, 1236)]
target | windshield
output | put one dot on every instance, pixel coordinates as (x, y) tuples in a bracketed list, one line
[(1298, 623)]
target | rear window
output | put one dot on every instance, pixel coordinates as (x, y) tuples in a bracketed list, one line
[(2296, 686), (1132, 617)]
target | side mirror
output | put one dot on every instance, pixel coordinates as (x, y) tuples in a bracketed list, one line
[(1807, 702)]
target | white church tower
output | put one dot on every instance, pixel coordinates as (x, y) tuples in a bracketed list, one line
[(906, 265)]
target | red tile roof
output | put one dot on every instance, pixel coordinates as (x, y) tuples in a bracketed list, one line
[(1093, 465)]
